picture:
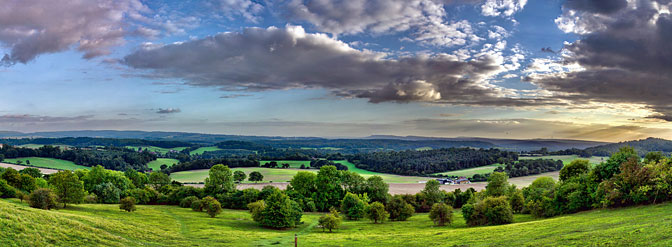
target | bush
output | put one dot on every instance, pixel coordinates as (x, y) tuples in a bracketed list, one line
[(91, 198), (575, 168), (399, 209), (441, 214), (279, 212), (517, 201), (197, 205), (128, 204), (256, 208), (491, 211), (186, 202), (353, 206), (211, 206), (42, 199), (376, 212), (6, 190), (107, 193), (330, 221)]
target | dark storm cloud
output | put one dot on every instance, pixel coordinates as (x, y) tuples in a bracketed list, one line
[(597, 6), (627, 56), (258, 59)]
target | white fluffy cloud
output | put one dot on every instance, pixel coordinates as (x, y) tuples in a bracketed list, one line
[(502, 7), (33, 27)]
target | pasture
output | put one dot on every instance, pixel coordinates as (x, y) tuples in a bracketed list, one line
[(157, 149), (566, 159), (201, 150), (47, 163), (100, 224), (156, 164)]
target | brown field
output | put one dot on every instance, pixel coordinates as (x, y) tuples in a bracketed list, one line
[(18, 168)]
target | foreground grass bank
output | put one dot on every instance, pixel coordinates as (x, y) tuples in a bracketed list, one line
[(95, 224)]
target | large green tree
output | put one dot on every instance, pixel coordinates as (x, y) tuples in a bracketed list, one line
[(219, 180), (329, 191), (498, 184), (158, 179), (433, 192), (67, 187)]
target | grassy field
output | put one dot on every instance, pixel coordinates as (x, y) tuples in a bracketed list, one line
[(36, 146), (156, 164), (48, 163), (471, 171), (204, 149), (97, 224), (566, 159), (284, 175)]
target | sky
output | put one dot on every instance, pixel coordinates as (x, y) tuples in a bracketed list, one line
[(564, 69)]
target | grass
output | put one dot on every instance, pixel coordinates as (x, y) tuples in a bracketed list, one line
[(156, 164), (157, 149), (292, 163), (201, 150), (471, 171), (36, 146), (47, 163), (566, 159), (106, 225)]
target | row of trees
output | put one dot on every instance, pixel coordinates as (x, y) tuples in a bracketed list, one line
[(110, 157)]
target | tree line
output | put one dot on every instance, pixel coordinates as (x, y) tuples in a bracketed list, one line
[(109, 157)]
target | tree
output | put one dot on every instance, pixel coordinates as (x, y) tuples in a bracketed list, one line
[(575, 168), (12, 177), (6, 190), (497, 184), (377, 189), (128, 204), (608, 169), (376, 212), (303, 183), (27, 183), (278, 211), (517, 201), (67, 186), (186, 202), (256, 208), (137, 178), (432, 192), (653, 157), (239, 176), (490, 211), (219, 180), (197, 205), (328, 188), (441, 214), (399, 209), (211, 206), (330, 221), (107, 193), (42, 199), (158, 179), (256, 176), (33, 172), (353, 206)]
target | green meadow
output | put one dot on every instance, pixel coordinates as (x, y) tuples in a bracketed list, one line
[(292, 163), (566, 159), (156, 164), (151, 225), (47, 163), (201, 150), (157, 149), (471, 171), (36, 146)]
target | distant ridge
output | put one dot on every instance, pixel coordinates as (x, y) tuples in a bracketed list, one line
[(642, 147), (514, 144)]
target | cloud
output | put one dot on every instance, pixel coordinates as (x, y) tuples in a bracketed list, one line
[(168, 110), (427, 20), (502, 7), (256, 59), (30, 28), (248, 9), (624, 54)]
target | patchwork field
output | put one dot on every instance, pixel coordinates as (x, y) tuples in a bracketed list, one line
[(47, 163), (98, 224), (157, 149), (156, 164), (201, 150)]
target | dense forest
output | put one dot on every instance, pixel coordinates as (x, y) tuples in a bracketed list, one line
[(642, 147), (110, 157), (413, 162)]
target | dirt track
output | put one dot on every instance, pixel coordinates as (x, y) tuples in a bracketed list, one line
[(18, 167)]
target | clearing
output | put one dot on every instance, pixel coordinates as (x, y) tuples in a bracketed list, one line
[(201, 150), (156, 164), (47, 163)]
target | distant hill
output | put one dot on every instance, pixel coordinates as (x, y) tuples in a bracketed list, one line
[(642, 146), (508, 144)]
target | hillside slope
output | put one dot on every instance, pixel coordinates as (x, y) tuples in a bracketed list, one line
[(94, 225), (642, 146)]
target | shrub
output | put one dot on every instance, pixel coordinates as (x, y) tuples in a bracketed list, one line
[(197, 205), (187, 201), (517, 201), (91, 198), (497, 184), (211, 206), (376, 212), (141, 195), (279, 212), (353, 206), (441, 214), (399, 209), (6, 190), (107, 193), (330, 221), (256, 208), (491, 211), (128, 204), (42, 199)]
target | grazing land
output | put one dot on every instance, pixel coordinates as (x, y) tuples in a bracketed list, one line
[(566, 159), (157, 149), (100, 224), (36, 146), (156, 164), (471, 171), (202, 150), (47, 163)]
